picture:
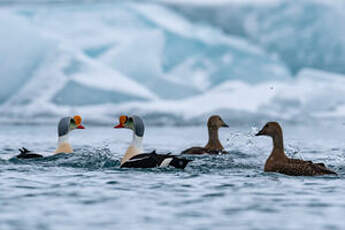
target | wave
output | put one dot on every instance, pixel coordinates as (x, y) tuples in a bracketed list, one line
[(97, 158)]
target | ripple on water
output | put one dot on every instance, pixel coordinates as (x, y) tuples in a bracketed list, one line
[(84, 159), (88, 188)]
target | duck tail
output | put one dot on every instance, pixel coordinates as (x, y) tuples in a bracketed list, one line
[(322, 169), (329, 171), (23, 150), (26, 150)]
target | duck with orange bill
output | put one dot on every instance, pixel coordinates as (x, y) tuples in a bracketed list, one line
[(65, 126), (280, 163), (134, 158)]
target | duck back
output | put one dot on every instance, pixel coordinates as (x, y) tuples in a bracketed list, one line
[(27, 154), (295, 167), (152, 160)]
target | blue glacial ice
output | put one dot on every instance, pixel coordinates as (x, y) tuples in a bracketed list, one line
[(22, 51), (101, 60), (304, 33)]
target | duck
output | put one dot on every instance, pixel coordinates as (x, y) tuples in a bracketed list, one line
[(280, 163), (134, 156), (213, 146), (27, 154), (66, 124)]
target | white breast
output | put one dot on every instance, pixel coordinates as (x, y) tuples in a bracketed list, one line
[(131, 152)]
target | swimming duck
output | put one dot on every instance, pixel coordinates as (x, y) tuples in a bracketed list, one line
[(134, 158), (27, 154), (213, 145), (279, 162), (65, 125)]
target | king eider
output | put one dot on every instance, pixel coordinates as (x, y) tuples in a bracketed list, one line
[(134, 158), (280, 163), (213, 145), (65, 125)]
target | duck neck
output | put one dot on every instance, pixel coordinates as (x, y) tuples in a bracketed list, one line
[(136, 141), (63, 145), (133, 149), (278, 147), (213, 139), (63, 139)]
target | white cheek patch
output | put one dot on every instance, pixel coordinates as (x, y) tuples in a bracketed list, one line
[(166, 162)]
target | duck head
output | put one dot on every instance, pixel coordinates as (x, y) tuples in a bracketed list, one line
[(270, 129), (68, 124), (216, 122), (134, 123)]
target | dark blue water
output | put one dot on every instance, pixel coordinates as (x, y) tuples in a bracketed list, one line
[(87, 190)]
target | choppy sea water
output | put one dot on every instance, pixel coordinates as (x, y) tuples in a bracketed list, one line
[(88, 190)]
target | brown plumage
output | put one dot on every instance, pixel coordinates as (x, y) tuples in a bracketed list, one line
[(213, 145), (279, 162)]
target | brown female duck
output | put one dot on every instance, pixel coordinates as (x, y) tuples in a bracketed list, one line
[(279, 162), (213, 146)]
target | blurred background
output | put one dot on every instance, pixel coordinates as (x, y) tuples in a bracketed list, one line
[(172, 61)]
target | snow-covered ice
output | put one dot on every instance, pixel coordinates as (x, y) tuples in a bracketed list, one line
[(101, 60)]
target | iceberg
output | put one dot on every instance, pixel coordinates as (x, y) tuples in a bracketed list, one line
[(313, 96), (22, 51), (303, 34), (102, 60), (105, 59)]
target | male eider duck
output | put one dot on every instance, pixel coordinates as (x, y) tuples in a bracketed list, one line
[(27, 154), (134, 158), (213, 146), (279, 162), (65, 125)]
